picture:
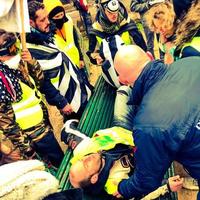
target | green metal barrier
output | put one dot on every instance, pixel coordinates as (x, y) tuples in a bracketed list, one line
[(98, 115)]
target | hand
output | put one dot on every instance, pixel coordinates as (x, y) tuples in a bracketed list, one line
[(81, 64), (117, 195), (5, 149), (26, 56), (152, 2), (98, 58), (67, 109), (10, 154), (175, 183), (15, 155)]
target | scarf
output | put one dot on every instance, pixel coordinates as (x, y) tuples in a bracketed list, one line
[(39, 38), (10, 80)]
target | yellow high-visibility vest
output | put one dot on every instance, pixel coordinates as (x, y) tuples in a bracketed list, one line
[(28, 111), (68, 46), (195, 43), (106, 139), (125, 35)]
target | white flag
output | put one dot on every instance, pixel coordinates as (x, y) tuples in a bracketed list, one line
[(10, 19)]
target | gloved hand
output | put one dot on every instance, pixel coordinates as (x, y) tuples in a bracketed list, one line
[(152, 2), (70, 135), (30, 154)]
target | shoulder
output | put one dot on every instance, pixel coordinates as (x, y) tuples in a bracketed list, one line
[(69, 19), (190, 51)]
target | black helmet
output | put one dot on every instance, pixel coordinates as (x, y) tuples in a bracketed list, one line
[(7, 40)]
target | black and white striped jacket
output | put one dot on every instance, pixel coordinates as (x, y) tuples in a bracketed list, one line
[(63, 82), (108, 49)]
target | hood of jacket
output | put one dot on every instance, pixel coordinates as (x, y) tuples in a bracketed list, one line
[(50, 5)]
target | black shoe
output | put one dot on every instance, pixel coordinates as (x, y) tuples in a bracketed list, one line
[(70, 135)]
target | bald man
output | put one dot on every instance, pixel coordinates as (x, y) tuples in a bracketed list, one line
[(166, 123)]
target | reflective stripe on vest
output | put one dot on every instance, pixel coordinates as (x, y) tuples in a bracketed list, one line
[(125, 37), (195, 43), (104, 140), (28, 111), (68, 46)]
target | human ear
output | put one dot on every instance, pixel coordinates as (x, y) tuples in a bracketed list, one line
[(94, 178), (32, 23)]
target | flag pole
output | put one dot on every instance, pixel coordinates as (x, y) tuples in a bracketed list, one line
[(23, 33)]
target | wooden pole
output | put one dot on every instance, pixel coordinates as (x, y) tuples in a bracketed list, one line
[(20, 5), (23, 34)]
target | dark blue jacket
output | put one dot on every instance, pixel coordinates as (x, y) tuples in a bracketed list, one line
[(166, 123)]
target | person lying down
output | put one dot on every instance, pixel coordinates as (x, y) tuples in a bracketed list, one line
[(101, 162)]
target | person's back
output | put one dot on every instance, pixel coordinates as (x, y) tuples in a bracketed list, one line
[(172, 106), (166, 117), (176, 91), (166, 126)]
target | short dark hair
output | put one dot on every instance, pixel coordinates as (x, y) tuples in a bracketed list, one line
[(85, 183), (33, 7)]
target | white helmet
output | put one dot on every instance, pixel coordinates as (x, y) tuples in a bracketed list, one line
[(111, 5)]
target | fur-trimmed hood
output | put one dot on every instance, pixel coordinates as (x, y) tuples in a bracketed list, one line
[(189, 26), (26, 179)]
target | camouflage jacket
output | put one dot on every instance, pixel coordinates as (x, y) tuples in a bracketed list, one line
[(21, 139)]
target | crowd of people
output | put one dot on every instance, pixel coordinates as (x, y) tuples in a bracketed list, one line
[(156, 115)]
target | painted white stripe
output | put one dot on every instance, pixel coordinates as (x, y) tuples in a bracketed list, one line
[(89, 93), (108, 56), (43, 48), (51, 64), (76, 101), (64, 85)]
